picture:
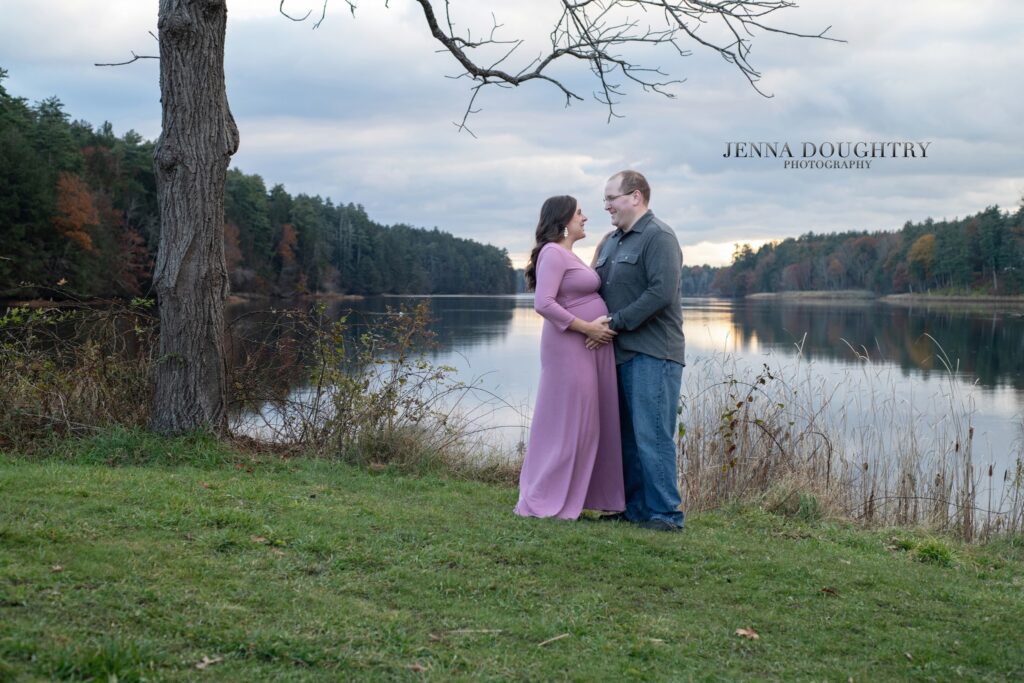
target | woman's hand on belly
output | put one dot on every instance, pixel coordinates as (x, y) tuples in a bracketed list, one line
[(596, 331)]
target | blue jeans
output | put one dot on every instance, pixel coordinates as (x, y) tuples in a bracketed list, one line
[(648, 398)]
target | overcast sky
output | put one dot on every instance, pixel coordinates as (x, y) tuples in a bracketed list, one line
[(361, 110)]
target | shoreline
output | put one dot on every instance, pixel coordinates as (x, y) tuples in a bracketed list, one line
[(231, 299), (244, 298), (858, 295), (815, 295), (953, 298)]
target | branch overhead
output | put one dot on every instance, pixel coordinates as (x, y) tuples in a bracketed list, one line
[(606, 35)]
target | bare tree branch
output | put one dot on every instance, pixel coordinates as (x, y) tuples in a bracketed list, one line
[(598, 32), (323, 12), (280, 8), (134, 58)]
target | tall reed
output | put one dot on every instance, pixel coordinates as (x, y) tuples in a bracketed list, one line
[(785, 434)]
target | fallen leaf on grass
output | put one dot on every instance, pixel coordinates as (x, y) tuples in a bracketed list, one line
[(551, 640), (204, 484), (908, 656), (57, 568), (416, 667), (748, 633), (829, 590), (657, 641), (208, 661), (259, 539)]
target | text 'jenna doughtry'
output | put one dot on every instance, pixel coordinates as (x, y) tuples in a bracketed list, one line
[(839, 155)]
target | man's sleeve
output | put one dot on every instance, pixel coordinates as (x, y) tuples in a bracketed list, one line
[(662, 261)]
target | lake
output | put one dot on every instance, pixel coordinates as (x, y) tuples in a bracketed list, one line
[(900, 371)]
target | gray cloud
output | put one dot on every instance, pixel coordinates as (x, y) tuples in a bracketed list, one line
[(361, 111)]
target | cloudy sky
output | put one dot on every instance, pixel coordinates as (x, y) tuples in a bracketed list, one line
[(362, 109)]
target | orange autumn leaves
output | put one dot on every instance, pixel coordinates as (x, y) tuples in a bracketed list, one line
[(76, 210)]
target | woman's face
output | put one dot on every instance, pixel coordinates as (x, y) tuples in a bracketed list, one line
[(576, 230)]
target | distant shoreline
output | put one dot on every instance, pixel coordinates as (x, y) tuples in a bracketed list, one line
[(231, 300), (246, 297), (955, 298), (859, 295), (832, 295)]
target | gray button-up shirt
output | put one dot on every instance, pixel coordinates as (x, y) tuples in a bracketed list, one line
[(640, 271)]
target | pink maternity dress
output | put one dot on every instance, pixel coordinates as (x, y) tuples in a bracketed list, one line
[(574, 455)]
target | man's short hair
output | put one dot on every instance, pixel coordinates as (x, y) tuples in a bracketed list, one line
[(633, 181)]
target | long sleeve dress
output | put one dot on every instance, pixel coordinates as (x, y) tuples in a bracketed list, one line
[(574, 454)]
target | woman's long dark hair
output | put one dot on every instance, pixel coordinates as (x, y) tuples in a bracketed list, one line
[(555, 214)]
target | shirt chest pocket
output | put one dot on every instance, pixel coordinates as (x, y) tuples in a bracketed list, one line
[(627, 268)]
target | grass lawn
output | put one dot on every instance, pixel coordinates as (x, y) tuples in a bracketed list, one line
[(179, 560)]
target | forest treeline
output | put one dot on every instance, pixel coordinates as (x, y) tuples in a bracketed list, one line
[(78, 212), (981, 253)]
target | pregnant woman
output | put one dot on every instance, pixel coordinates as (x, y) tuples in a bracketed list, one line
[(574, 455)]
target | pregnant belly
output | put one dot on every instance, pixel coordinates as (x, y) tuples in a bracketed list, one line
[(589, 308)]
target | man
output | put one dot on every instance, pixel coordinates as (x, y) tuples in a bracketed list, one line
[(640, 265)]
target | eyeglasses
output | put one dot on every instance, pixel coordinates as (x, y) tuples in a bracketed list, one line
[(609, 200)]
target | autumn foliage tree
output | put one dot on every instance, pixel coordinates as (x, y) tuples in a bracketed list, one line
[(291, 278), (76, 210), (921, 258)]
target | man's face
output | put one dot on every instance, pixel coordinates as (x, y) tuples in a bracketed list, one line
[(624, 209)]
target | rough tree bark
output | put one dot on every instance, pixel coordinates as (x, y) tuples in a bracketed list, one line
[(199, 137)]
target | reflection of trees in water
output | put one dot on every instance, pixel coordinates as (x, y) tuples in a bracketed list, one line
[(987, 346), (458, 321), (271, 340)]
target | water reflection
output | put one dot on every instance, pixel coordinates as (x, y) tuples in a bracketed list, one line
[(857, 348), (987, 347)]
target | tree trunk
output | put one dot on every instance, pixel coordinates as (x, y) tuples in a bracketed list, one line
[(192, 155)]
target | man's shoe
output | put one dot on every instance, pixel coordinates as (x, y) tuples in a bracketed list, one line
[(613, 517), (658, 525)]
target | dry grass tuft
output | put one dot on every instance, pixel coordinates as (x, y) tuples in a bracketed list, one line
[(789, 442)]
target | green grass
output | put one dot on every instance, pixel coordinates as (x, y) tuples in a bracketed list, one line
[(309, 570)]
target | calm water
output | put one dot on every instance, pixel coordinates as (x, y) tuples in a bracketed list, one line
[(932, 359)]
